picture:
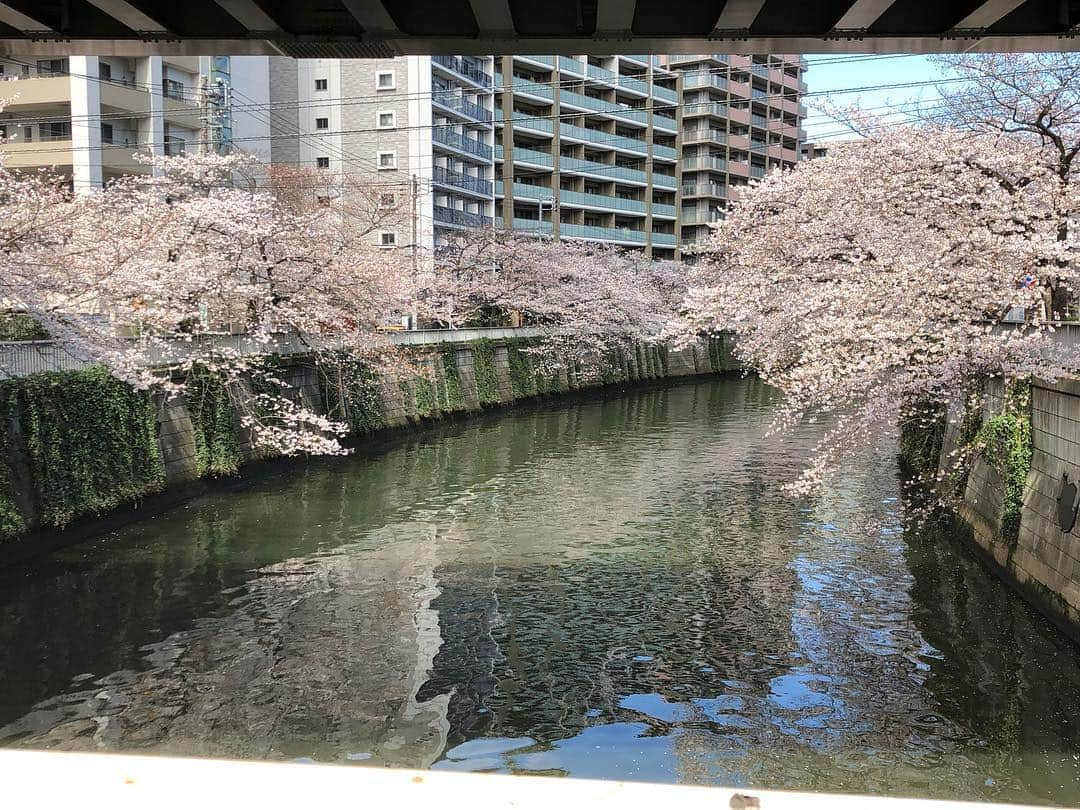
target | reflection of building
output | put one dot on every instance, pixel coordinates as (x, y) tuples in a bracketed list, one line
[(87, 117)]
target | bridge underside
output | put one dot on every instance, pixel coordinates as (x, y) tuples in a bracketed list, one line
[(379, 28)]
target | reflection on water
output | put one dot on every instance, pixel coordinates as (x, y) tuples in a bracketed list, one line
[(612, 589)]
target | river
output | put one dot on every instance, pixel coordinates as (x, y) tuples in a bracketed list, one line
[(608, 588)]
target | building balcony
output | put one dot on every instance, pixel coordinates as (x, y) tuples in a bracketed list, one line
[(663, 239), (533, 124), (704, 163), (461, 182), (664, 152), (692, 80), (459, 107), (740, 115), (462, 69), (597, 233), (739, 89), (527, 156), (711, 190), (536, 227), (739, 168), (663, 211), (698, 216), (542, 61), (599, 105), (741, 142), (525, 191), (452, 217), (705, 135), (574, 67), (667, 181), (456, 142), (526, 88), (664, 123), (665, 94), (602, 202), (606, 171), (36, 91), (604, 139), (706, 108)]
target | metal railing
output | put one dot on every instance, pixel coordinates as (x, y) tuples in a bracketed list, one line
[(453, 216), (455, 140), (449, 177), (452, 100), (464, 68)]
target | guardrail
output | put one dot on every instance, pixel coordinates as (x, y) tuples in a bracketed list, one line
[(116, 782), (20, 358)]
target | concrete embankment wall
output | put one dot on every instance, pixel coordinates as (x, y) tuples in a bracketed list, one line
[(173, 449), (1040, 559)]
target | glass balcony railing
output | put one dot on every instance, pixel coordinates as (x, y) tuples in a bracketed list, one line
[(462, 67), (543, 91), (452, 100), (602, 234), (692, 80), (585, 200), (710, 135), (664, 94), (572, 66), (703, 162), (661, 121), (533, 123), (663, 239), (705, 190), (525, 191), (706, 108), (455, 140), (663, 210), (661, 151), (601, 106), (664, 180), (522, 155), (523, 225), (452, 216), (449, 177), (609, 171), (599, 138)]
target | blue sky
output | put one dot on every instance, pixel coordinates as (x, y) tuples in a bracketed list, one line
[(839, 73)]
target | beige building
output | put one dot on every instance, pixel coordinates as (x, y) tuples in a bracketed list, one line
[(88, 117)]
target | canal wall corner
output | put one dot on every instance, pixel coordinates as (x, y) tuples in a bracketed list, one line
[(83, 453), (1018, 503)]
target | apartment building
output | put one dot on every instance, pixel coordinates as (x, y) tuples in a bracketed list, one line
[(741, 117), (88, 117), (418, 128)]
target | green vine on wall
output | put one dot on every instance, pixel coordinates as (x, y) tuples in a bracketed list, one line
[(213, 422), (487, 380), (453, 398), (90, 439), (922, 432), (522, 381), (351, 393), (11, 520), (1005, 443)]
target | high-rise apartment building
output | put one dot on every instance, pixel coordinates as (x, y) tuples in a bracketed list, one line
[(741, 117), (417, 127), (587, 148), (88, 117)]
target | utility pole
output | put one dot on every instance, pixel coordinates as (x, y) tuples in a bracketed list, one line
[(415, 246)]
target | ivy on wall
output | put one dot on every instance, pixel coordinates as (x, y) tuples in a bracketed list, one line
[(11, 521), (424, 394), (453, 399), (487, 381), (351, 393), (716, 353), (662, 354), (966, 439), (217, 451), (90, 439), (522, 381), (1005, 442)]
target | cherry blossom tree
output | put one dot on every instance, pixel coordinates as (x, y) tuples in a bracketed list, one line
[(877, 276), (586, 298), (150, 275)]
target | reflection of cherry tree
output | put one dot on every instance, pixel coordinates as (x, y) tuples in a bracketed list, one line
[(587, 298), (151, 263), (866, 279)]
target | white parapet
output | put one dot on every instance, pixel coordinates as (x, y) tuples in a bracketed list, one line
[(115, 782)]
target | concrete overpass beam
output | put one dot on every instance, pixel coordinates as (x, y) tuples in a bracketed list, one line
[(615, 17), (23, 22), (988, 13), (372, 15), (493, 17), (738, 15), (249, 15), (123, 12), (862, 14)]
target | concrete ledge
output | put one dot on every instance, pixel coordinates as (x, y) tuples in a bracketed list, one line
[(39, 779)]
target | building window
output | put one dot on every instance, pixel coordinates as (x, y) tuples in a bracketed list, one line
[(387, 160), (322, 162), (320, 84), (384, 80), (322, 123), (105, 71), (323, 200), (386, 119), (387, 239), (106, 133), (387, 200)]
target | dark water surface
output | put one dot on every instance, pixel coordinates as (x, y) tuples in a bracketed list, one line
[(612, 589)]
